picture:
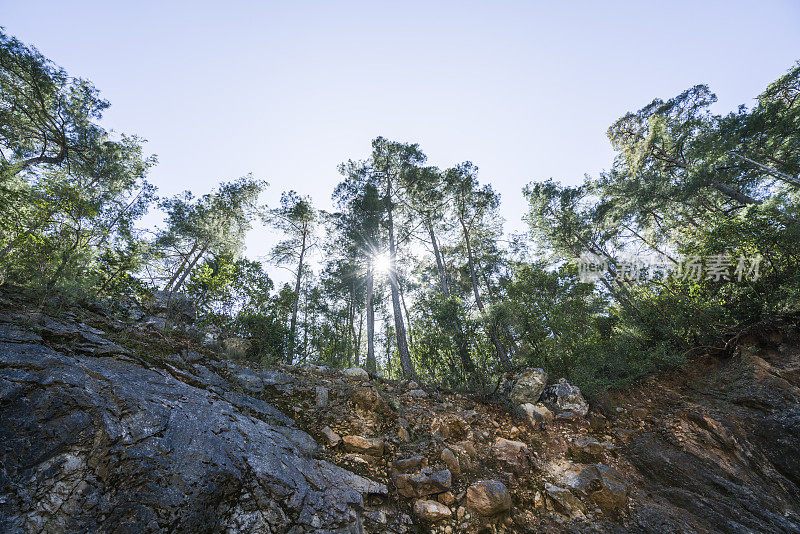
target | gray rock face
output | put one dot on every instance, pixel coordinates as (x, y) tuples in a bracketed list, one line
[(93, 444), (564, 397), (528, 387)]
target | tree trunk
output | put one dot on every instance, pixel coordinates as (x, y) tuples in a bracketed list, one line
[(371, 364), (296, 302), (400, 331), (439, 262), (500, 350), (729, 191), (181, 266), (408, 317), (188, 269)]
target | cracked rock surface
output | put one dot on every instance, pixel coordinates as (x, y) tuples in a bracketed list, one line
[(102, 442)]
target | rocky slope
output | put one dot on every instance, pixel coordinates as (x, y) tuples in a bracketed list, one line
[(108, 425)]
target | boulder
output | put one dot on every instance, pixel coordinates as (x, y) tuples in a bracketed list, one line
[(426, 482), (564, 397), (371, 446), (528, 386), (431, 511), (356, 373), (488, 498)]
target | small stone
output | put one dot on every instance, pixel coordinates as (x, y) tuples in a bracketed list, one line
[(321, 396), (404, 435), (460, 512), (488, 497), (447, 498), (409, 465), (564, 501), (451, 461), (421, 484), (332, 439), (418, 393), (371, 446), (431, 511)]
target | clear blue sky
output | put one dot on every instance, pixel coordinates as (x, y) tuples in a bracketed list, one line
[(287, 90)]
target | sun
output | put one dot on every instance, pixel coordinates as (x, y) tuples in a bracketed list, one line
[(381, 263)]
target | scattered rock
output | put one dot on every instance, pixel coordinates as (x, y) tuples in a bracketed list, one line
[(564, 501), (451, 461), (588, 449), (514, 454), (528, 386), (332, 439), (427, 482), (563, 397), (403, 434), (356, 373), (431, 511), (371, 446), (450, 426), (536, 414), (321, 396), (365, 398), (409, 465), (418, 393), (488, 498)]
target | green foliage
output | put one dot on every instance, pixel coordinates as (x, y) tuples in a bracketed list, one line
[(415, 278)]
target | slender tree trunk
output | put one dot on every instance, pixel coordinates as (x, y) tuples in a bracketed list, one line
[(181, 266), (778, 174), (188, 269), (298, 278), (500, 350), (371, 364), (439, 263), (358, 338), (305, 327), (729, 191), (408, 317), (400, 331)]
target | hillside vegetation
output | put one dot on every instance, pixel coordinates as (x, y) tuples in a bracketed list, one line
[(694, 228)]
